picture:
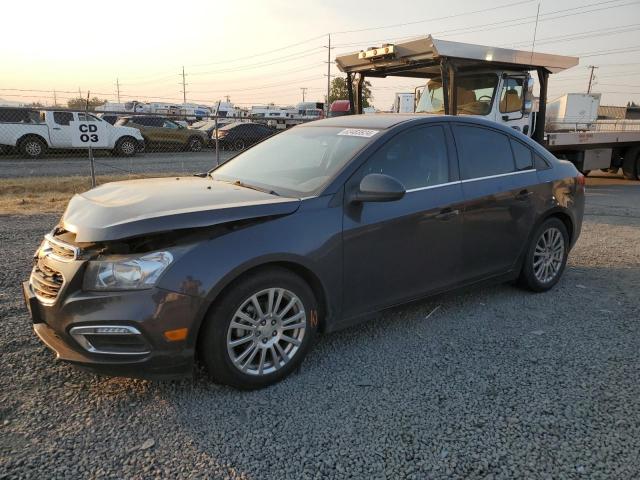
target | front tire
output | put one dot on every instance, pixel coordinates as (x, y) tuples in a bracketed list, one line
[(126, 147), (33, 147), (546, 257), (260, 330)]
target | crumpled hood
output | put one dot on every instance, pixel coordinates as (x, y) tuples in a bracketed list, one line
[(131, 208)]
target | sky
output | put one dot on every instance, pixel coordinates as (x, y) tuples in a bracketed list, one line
[(258, 52)]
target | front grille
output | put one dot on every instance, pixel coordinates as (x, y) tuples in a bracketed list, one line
[(45, 281), (60, 250)]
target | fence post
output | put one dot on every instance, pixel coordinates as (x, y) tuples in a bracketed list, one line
[(91, 162), (215, 129)]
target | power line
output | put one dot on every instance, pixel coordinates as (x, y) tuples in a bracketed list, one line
[(501, 24), (432, 19), (260, 54)]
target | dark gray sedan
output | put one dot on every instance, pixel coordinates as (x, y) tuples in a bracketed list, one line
[(312, 230)]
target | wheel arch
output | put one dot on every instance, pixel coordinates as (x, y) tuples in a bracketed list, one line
[(27, 136), (298, 268)]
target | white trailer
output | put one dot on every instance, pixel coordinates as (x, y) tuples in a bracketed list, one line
[(497, 84), (404, 103), (573, 111)]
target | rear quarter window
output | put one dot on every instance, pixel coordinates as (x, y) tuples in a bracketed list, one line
[(522, 155)]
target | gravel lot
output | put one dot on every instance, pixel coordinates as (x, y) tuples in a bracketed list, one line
[(65, 165), (495, 383)]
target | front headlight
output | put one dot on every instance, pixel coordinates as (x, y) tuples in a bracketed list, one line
[(126, 272)]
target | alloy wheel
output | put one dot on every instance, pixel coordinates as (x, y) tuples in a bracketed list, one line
[(548, 255), (128, 148), (33, 149), (266, 331)]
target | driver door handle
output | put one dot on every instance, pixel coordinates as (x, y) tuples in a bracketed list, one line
[(523, 195), (447, 214)]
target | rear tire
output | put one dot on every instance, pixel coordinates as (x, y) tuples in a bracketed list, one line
[(631, 164), (33, 147), (126, 147), (284, 348), (546, 256), (195, 144)]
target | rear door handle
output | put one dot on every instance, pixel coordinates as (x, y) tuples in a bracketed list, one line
[(57, 128), (447, 214), (523, 195)]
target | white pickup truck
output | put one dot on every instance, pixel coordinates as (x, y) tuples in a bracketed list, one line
[(51, 130)]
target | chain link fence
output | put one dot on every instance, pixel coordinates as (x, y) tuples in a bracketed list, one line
[(40, 168)]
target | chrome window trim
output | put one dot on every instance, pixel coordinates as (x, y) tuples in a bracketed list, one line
[(429, 187), (78, 333), (497, 176), (470, 180)]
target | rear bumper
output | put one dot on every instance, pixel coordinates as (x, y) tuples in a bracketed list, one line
[(151, 312)]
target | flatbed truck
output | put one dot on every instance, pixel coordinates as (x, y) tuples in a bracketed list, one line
[(498, 84)]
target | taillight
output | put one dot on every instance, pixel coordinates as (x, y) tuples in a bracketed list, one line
[(581, 180)]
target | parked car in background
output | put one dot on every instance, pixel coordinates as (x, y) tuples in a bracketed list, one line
[(339, 108), (50, 130), (240, 135), (310, 231), (110, 118), (159, 131)]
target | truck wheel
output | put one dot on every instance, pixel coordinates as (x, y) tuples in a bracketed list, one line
[(33, 147), (260, 330), (194, 144), (546, 256), (126, 147), (631, 164)]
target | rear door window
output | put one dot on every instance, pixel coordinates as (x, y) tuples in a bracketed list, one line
[(482, 152), (62, 118)]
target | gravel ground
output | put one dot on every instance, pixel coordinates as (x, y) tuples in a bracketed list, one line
[(495, 383), (65, 165)]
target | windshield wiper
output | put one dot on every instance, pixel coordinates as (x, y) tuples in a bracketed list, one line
[(253, 187)]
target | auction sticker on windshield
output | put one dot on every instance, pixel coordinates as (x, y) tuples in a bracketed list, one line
[(358, 132)]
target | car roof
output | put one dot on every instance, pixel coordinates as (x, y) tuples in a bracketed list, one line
[(383, 121)]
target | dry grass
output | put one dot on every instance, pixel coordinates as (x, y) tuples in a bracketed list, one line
[(27, 196)]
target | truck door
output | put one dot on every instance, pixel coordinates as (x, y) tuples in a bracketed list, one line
[(59, 129), (511, 103)]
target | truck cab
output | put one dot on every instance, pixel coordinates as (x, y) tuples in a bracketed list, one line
[(504, 96)]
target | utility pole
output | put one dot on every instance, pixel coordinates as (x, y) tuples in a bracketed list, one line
[(304, 90), (591, 77), (328, 72), (184, 87), (227, 97), (55, 98), (118, 88), (79, 93)]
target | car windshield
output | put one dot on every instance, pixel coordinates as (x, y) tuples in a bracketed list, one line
[(297, 162), (475, 94)]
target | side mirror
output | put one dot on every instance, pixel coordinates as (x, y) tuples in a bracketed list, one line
[(377, 187), (528, 106)]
